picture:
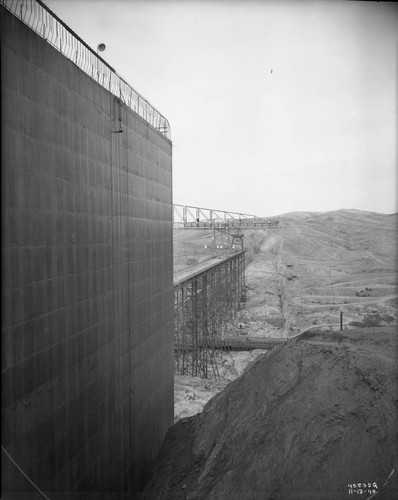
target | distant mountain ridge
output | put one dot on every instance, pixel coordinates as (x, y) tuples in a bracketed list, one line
[(343, 211)]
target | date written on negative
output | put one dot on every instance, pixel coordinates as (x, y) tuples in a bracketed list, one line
[(362, 488)]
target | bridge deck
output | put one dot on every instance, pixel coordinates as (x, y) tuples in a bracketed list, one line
[(198, 269)]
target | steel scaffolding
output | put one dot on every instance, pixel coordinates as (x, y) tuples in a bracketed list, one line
[(205, 306)]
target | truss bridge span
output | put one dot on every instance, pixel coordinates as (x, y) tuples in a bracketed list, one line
[(189, 217), (207, 298)]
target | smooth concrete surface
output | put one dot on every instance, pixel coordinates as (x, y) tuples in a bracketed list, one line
[(87, 284)]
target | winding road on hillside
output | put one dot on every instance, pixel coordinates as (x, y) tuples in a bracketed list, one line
[(365, 300)]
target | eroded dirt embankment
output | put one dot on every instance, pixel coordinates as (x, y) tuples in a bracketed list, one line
[(192, 393), (303, 422)]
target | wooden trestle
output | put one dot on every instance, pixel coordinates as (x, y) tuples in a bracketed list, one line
[(207, 298)]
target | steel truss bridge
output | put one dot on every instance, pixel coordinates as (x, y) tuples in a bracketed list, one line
[(207, 298), (188, 217)]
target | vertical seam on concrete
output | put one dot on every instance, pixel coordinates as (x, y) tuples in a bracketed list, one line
[(120, 268), (128, 289), (113, 279), (90, 401)]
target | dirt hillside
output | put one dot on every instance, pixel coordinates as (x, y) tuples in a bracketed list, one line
[(309, 269), (341, 261), (192, 393), (304, 421)]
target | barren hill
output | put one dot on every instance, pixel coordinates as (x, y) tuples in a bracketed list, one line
[(338, 261), (301, 276), (309, 420)]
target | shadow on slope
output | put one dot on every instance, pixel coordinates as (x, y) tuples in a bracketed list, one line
[(303, 422)]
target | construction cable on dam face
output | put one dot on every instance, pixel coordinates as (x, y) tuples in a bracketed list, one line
[(119, 146), (112, 370), (23, 473), (128, 297)]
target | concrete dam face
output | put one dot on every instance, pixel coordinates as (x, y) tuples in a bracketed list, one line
[(87, 287)]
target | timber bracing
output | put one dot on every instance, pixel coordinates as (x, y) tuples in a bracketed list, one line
[(205, 306)]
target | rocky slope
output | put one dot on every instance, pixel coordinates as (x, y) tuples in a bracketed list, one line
[(303, 422), (192, 393)]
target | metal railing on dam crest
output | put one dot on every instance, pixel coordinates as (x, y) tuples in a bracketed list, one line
[(45, 23)]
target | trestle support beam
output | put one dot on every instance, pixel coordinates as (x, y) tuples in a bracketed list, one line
[(205, 307)]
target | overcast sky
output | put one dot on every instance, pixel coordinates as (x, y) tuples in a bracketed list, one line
[(274, 106)]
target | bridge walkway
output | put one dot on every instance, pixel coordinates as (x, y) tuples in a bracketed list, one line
[(199, 269), (234, 344)]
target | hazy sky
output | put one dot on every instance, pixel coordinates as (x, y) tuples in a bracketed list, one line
[(274, 106)]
